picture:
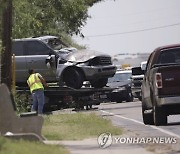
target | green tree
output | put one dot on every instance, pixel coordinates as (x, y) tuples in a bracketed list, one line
[(57, 17)]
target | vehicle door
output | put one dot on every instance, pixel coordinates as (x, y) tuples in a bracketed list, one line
[(37, 53), (20, 61)]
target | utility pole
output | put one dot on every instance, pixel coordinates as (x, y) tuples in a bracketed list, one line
[(6, 55)]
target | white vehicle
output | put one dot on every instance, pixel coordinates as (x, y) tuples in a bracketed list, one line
[(68, 66)]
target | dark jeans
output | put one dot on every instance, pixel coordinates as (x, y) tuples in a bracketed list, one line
[(38, 101)]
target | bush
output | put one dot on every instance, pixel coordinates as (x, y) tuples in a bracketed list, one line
[(22, 102)]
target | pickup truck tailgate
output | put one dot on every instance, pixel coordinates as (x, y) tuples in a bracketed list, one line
[(170, 80)]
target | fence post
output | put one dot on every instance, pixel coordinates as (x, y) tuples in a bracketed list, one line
[(13, 75)]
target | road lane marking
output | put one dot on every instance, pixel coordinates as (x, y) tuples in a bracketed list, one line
[(136, 121)]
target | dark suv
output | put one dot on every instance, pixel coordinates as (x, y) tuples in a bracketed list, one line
[(121, 82), (73, 67)]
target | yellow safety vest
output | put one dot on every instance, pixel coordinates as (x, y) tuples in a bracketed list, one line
[(34, 82)]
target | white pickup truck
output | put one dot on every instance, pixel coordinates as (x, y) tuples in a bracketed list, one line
[(69, 67)]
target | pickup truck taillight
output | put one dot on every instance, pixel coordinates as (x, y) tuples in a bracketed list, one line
[(158, 78)]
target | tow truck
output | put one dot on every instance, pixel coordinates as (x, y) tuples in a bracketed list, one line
[(57, 98)]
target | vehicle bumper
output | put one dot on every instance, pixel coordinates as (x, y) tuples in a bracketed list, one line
[(118, 95), (93, 72), (161, 101), (136, 89)]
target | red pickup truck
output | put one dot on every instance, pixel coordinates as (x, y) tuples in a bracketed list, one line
[(161, 85)]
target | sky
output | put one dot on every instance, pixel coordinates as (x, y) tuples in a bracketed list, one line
[(131, 26)]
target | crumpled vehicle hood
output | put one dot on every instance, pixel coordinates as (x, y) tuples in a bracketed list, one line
[(83, 55)]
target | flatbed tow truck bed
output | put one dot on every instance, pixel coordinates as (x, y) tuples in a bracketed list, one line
[(64, 97)]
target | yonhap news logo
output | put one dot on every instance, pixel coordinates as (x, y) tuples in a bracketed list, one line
[(105, 140)]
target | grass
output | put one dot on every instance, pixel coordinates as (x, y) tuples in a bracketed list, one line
[(8, 146), (77, 126)]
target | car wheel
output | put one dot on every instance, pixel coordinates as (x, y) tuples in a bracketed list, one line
[(129, 97), (99, 83), (159, 116), (73, 78), (147, 117)]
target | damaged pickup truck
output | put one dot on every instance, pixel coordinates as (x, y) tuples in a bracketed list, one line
[(161, 85), (64, 66)]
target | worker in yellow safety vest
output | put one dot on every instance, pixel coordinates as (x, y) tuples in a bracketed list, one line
[(36, 82)]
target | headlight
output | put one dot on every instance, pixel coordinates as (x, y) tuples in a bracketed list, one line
[(119, 89), (122, 88)]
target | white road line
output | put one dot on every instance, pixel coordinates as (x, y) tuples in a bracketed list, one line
[(136, 121)]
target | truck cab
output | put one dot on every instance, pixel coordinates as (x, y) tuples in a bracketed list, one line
[(161, 85)]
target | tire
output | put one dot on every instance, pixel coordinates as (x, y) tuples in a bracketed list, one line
[(159, 116), (99, 83), (130, 97), (73, 78), (147, 117)]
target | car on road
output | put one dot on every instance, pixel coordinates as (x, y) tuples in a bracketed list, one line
[(70, 67), (121, 82), (161, 85)]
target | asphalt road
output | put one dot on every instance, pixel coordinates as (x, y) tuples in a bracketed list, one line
[(128, 116)]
